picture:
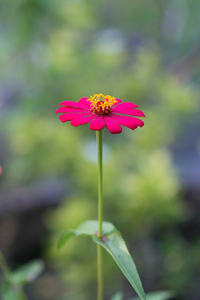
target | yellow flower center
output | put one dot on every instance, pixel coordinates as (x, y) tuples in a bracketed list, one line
[(101, 105)]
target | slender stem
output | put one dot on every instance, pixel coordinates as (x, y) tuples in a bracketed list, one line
[(100, 215), (22, 294), (3, 266), (100, 181), (99, 273), (6, 272)]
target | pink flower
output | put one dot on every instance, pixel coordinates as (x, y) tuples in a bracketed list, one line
[(101, 111)]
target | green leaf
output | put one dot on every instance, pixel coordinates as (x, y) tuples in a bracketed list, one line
[(117, 296), (64, 238), (27, 273), (87, 228), (113, 242), (11, 292), (159, 295), (116, 246)]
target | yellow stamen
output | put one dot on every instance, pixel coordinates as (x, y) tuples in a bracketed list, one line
[(99, 100)]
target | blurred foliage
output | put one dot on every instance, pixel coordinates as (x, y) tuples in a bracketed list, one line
[(52, 51), (15, 280)]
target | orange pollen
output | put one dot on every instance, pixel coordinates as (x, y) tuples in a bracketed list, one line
[(101, 105)]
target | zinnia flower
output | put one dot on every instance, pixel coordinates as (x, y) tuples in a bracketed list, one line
[(101, 111)]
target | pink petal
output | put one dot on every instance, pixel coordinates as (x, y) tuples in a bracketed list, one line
[(118, 101), (97, 124), (112, 126), (66, 109), (129, 122), (81, 121), (131, 112), (73, 104), (126, 105), (72, 116), (84, 101)]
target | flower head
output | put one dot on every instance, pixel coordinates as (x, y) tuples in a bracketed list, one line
[(101, 111)]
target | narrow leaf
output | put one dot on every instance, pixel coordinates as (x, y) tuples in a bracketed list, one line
[(113, 242), (116, 246), (64, 238), (87, 228)]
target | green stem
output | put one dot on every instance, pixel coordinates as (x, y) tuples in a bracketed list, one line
[(22, 294), (3, 266), (6, 272), (100, 215), (99, 273)]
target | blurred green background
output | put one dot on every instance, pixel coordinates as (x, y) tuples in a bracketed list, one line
[(144, 51)]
